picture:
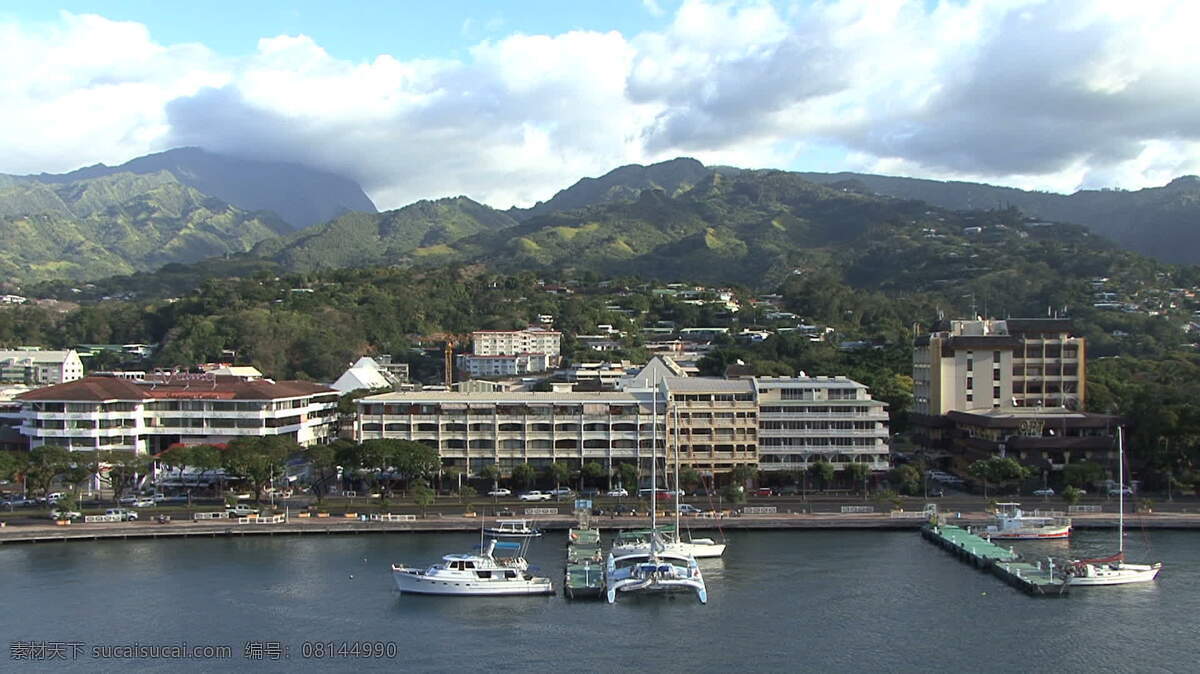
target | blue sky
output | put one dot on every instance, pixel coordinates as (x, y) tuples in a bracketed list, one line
[(509, 102), (359, 30)]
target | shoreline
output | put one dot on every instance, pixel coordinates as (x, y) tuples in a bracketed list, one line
[(39, 533)]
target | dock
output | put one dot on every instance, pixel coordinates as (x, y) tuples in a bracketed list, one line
[(1004, 563)]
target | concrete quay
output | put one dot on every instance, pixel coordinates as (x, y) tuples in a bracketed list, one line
[(294, 525)]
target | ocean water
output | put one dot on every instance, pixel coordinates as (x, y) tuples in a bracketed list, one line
[(844, 601)]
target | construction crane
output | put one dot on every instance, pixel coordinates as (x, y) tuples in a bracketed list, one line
[(448, 366)]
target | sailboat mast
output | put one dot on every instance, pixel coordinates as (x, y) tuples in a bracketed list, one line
[(678, 531), (1120, 491), (653, 464)]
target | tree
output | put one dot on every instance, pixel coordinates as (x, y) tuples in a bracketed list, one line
[(81, 469), (1071, 495), (822, 472), (45, 464), (422, 495), (689, 479), (13, 465), (491, 473), (741, 474), (258, 460), (123, 470), (176, 457), (628, 474), (592, 472), (523, 475), (205, 459), (413, 460), (859, 472), (558, 472), (997, 470), (907, 478), (734, 493), (454, 474), (1083, 473), (322, 460)]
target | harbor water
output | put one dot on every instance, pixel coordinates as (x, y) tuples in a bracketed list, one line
[(778, 601)]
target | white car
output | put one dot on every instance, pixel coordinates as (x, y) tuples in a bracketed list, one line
[(1117, 491), (534, 496), (689, 509), (125, 514), (500, 492), (143, 502), (1043, 492), (241, 510), (618, 492), (561, 491), (65, 515)]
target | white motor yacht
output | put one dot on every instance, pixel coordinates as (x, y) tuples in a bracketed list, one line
[(1013, 524), (513, 529), (483, 574)]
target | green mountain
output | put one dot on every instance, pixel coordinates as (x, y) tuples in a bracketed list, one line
[(760, 227), (301, 196), (621, 184), (117, 224), (1162, 222), (418, 233)]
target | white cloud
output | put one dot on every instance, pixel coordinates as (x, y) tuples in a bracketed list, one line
[(1034, 93)]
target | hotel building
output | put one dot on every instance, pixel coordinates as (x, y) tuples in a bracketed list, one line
[(147, 416), (805, 419)]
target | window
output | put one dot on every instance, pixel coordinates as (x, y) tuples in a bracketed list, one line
[(970, 383), (970, 397), (995, 392), (995, 375), (995, 356), (970, 365)]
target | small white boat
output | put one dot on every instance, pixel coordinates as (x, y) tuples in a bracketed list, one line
[(1013, 524), (513, 529), (484, 574)]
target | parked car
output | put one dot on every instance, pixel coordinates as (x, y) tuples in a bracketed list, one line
[(143, 502), (618, 492), (534, 496), (57, 514), (689, 509), (125, 514), (1043, 492), (764, 491), (561, 492), (788, 490), (500, 492), (241, 510), (1117, 491), (624, 509), (53, 497), (19, 502)]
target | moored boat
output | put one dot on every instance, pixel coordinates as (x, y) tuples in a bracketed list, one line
[(513, 529), (483, 574), (1014, 524)]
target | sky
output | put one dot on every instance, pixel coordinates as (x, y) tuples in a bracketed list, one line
[(509, 102)]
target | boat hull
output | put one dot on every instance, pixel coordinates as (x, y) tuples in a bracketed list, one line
[(414, 581), (693, 549), (1119, 574), (1049, 534)]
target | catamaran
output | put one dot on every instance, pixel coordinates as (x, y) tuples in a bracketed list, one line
[(1112, 570), (492, 572), (656, 569)]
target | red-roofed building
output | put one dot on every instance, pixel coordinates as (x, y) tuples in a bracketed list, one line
[(101, 413)]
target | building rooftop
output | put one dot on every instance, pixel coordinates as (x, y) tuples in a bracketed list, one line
[(512, 397), (218, 388), (708, 385)]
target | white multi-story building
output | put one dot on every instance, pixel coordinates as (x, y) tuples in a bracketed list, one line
[(35, 367), (518, 342), (471, 430), (504, 366), (805, 419), (105, 413)]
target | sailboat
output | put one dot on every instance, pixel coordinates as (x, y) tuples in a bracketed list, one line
[(671, 539), (1112, 570), (655, 569)]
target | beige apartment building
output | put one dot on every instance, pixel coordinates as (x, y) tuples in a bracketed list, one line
[(806, 419), (713, 421)]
